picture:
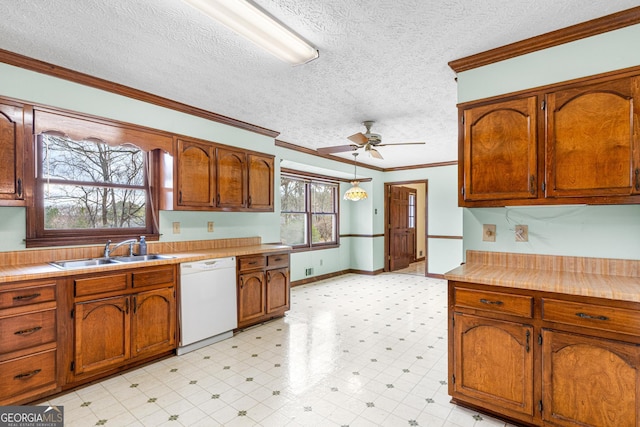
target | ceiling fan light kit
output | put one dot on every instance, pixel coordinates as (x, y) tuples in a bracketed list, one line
[(355, 193), (249, 21)]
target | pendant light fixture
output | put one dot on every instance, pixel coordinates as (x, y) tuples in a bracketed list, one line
[(355, 193), (246, 19)]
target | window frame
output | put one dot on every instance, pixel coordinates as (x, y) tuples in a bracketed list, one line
[(308, 180), (80, 127)]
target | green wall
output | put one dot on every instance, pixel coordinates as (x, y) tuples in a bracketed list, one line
[(358, 221), (592, 231)]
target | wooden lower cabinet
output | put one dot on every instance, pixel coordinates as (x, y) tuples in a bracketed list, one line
[(494, 363), (263, 288), (110, 347), (544, 359), (28, 341), (589, 381), (122, 327)]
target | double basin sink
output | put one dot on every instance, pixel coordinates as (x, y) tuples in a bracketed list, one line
[(94, 262)]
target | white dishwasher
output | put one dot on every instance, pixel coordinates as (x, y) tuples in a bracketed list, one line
[(208, 302)]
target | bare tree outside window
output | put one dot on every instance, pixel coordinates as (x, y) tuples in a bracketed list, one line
[(90, 184)]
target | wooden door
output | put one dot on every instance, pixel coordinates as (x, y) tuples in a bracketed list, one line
[(589, 381), (153, 325), (102, 334), (260, 181), (401, 236), (592, 145), (251, 297), (11, 154), (277, 290), (493, 364), (196, 174), (231, 170), (500, 151)]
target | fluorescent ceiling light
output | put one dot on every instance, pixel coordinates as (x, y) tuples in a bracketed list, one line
[(249, 21)]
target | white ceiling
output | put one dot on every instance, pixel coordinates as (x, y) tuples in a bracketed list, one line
[(382, 60)]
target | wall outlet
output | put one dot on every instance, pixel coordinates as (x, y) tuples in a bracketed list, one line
[(488, 232), (176, 228), (210, 226), (321, 261), (522, 233)]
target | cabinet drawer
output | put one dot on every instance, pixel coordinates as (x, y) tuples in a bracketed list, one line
[(251, 262), (275, 261), (498, 302), (25, 296), (102, 284), (27, 373), (154, 276), (27, 330), (591, 316)]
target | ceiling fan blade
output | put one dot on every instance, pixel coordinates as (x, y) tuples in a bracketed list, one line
[(375, 153), (359, 138), (337, 149), (401, 143)]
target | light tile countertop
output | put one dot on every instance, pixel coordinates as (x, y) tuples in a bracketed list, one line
[(592, 277), (12, 273)]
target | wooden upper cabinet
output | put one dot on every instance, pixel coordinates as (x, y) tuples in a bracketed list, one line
[(195, 174), (232, 178), (575, 142), (11, 155), (591, 147), (500, 151), (260, 181)]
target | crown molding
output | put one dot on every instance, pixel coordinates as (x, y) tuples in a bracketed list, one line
[(594, 27), (42, 67)]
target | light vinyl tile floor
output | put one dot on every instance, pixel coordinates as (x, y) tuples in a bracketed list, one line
[(352, 351)]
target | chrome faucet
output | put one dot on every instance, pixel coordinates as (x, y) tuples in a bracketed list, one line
[(108, 251)]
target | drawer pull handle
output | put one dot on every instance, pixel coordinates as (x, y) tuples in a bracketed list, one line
[(28, 331), (253, 262), (27, 375), (486, 301), (277, 259), (588, 316), (26, 297)]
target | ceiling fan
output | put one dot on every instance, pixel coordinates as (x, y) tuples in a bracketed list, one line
[(370, 141)]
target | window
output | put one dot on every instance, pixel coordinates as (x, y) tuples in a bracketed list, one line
[(90, 191), (309, 212)]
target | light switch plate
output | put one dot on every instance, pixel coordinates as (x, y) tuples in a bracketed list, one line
[(488, 232), (522, 233)]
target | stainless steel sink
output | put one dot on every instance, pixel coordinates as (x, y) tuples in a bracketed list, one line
[(136, 258), (83, 263), (94, 262)]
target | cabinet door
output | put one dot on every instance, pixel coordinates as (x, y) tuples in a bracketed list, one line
[(493, 364), (11, 155), (589, 381), (195, 174), (102, 334), (500, 151), (277, 290), (153, 324), (231, 169), (591, 147), (260, 177), (251, 297)]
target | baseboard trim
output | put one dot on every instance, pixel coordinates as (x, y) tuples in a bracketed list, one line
[(334, 274)]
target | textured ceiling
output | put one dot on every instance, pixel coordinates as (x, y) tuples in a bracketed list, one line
[(382, 60)]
